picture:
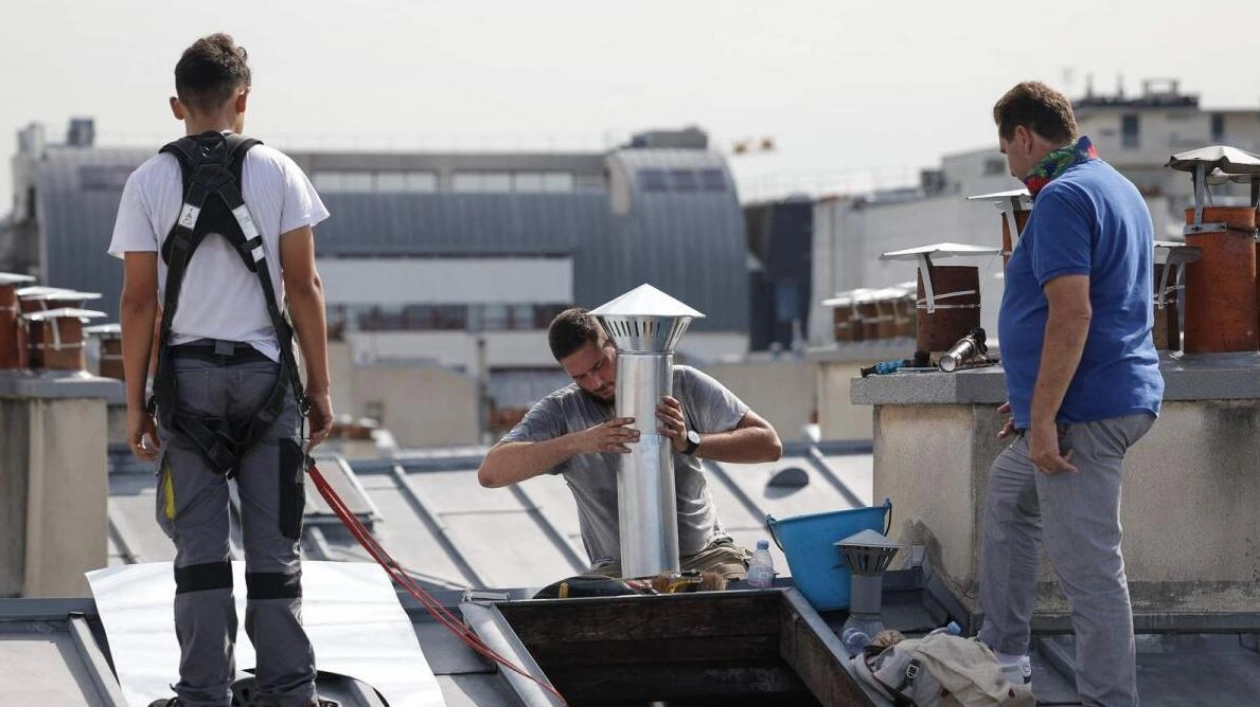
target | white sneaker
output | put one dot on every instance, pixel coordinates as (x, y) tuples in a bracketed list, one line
[(1020, 673)]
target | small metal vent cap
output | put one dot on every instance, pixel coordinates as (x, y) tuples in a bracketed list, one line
[(868, 552), (645, 320)]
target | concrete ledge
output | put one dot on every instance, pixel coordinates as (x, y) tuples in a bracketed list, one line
[(59, 385), (1214, 377), (980, 385)]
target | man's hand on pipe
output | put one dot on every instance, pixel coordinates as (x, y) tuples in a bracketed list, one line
[(611, 436), (673, 422)]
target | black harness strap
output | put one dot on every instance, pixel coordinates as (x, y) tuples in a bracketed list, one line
[(211, 167)]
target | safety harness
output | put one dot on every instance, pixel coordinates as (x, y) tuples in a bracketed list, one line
[(211, 167)]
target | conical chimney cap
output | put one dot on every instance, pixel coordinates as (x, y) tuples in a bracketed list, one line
[(645, 320), (646, 301)]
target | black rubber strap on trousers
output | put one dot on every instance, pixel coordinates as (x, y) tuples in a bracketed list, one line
[(204, 577), (274, 585)]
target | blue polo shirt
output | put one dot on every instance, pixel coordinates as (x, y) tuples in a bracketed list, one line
[(1088, 221)]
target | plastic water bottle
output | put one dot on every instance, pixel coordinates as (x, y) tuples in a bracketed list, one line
[(855, 640), (761, 569), (952, 628)]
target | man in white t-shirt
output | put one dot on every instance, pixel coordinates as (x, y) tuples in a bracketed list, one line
[(225, 354)]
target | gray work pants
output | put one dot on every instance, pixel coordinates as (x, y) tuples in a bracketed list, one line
[(1078, 518), (192, 507), (724, 558)]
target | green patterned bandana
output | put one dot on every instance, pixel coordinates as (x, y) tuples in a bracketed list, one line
[(1058, 162)]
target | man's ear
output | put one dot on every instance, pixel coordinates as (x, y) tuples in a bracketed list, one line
[(177, 109), (242, 99)]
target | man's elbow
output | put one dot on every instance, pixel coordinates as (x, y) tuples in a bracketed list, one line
[(1077, 318), (305, 288), (485, 478), (133, 304), (775, 449), (487, 474), (771, 446)]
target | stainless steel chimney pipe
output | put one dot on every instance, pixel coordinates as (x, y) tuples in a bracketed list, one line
[(646, 325)]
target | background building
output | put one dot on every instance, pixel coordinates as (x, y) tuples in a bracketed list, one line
[(1136, 135), (453, 260), (780, 241)]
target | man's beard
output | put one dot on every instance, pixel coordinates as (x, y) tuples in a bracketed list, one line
[(601, 401)]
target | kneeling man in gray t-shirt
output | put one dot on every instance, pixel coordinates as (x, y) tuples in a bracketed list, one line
[(573, 432)]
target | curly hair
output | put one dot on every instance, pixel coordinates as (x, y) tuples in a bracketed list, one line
[(210, 72), (1039, 108)]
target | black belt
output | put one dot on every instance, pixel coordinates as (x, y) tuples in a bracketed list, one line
[(223, 353)]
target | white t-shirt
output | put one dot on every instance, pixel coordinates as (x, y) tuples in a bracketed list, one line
[(220, 298)]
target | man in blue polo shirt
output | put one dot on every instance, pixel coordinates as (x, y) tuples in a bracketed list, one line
[(1084, 385)]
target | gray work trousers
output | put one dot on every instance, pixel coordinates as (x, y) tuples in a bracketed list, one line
[(193, 509), (1078, 518), (724, 558)]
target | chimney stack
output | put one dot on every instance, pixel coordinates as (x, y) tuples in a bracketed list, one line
[(646, 325)]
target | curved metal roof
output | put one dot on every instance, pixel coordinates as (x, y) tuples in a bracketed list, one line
[(689, 242)]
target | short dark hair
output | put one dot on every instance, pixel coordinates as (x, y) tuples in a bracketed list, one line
[(1039, 108), (571, 330), (210, 72)]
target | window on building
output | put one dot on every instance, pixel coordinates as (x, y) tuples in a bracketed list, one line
[(544, 313), (446, 317), (558, 182), (495, 317), (683, 180), (1129, 138), (437, 317), (482, 182), (712, 180), (103, 177), (653, 180), (1218, 128), (521, 316), (406, 182), (339, 182), (527, 181), (994, 166)]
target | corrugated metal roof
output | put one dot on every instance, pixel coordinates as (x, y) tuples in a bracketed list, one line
[(444, 527), (78, 191), (688, 243), (450, 532)]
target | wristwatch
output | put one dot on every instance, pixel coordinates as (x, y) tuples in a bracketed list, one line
[(693, 442)]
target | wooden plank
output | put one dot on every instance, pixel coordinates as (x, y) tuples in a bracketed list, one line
[(710, 614), (817, 656), (771, 684), (742, 649)]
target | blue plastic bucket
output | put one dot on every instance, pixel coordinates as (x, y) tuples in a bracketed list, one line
[(818, 570)]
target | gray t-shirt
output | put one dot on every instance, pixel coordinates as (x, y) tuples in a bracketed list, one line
[(708, 406)]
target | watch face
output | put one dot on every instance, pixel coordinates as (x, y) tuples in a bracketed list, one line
[(693, 436)]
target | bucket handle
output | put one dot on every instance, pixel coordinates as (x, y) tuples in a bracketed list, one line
[(771, 522)]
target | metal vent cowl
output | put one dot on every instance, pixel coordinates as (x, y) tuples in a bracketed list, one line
[(646, 325)]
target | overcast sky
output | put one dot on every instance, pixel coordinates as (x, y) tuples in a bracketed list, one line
[(843, 86)]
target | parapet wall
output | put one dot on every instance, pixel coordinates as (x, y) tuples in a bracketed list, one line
[(1191, 486)]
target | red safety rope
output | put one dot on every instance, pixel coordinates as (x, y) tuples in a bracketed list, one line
[(399, 575)]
